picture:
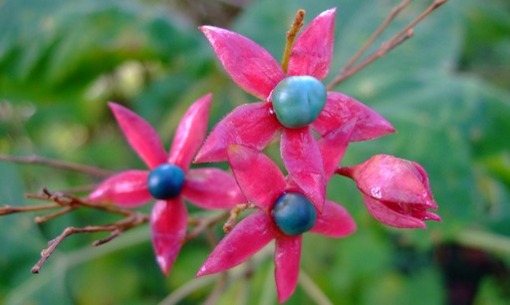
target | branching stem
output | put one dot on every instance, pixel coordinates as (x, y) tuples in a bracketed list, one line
[(394, 13), (89, 170), (407, 32), (202, 224)]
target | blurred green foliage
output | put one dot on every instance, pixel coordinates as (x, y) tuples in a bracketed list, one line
[(445, 90)]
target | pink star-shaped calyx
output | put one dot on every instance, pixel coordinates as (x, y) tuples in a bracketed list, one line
[(263, 183), (208, 188), (256, 125)]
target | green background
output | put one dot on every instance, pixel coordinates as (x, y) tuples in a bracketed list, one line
[(446, 91)]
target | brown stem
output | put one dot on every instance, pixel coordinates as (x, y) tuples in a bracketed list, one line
[(114, 234), (7, 209), (68, 203), (234, 214), (116, 229), (46, 218), (344, 171), (385, 47), (202, 224), (380, 52), (68, 200), (291, 36), (221, 284), (89, 170), (412, 24), (394, 12)]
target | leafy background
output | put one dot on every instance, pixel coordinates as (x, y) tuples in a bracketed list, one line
[(445, 90)]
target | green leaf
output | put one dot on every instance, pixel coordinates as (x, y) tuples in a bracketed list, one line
[(54, 50)]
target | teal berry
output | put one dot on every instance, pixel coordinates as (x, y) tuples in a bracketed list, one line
[(294, 214), (166, 181), (298, 100)]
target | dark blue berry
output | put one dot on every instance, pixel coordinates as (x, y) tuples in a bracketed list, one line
[(166, 181), (294, 214), (298, 100)]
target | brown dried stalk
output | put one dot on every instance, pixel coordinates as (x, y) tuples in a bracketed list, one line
[(204, 223), (234, 214), (67, 203), (89, 170), (291, 36), (407, 32)]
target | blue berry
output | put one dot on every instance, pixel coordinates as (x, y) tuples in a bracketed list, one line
[(166, 181), (294, 214), (298, 100)]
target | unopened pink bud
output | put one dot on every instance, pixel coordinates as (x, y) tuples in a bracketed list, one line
[(396, 191)]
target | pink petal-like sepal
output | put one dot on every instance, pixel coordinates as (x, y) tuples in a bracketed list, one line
[(259, 177), (313, 50), (392, 216), (247, 63), (140, 135), (127, 189), (396, 191), (169, 220), (190, 133), (248, 237), (334, 221), (333, 146), (286, 260), (341, 108), (388, 178), (252, 125), (302, 158), (211, 188)]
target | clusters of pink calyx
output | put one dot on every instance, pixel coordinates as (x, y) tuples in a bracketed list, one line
[(255, 125), (169, 218), (263, 183), (316, 128)]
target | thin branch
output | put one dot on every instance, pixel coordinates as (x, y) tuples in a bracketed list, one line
[(397, 39), (197, 283), (234, 214), (113, 234), (7, 209), (69, 200), (394, 12), (291, 36), (221, 284), (203, 223), (313, 291), (116, 228), (423, 15), (89, 170), (46, 218), (268, 294), (187, 289), (488, 241), (67, 203)]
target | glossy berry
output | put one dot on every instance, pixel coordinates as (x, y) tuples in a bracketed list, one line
[(294, 214), (166, 181), (298, 100)]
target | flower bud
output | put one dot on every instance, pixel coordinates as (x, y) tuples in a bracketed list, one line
[(396, 191)]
